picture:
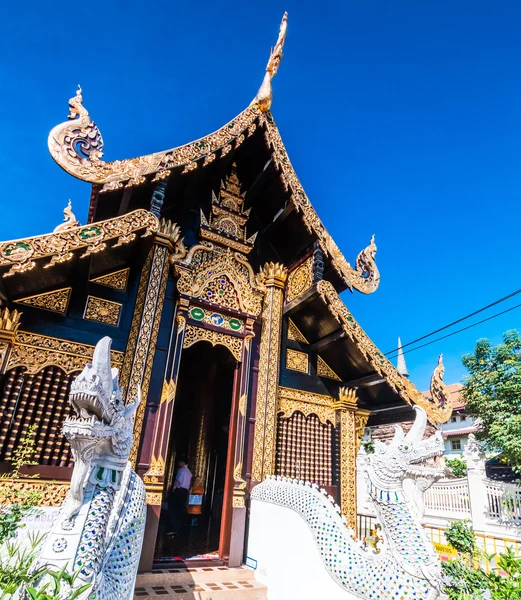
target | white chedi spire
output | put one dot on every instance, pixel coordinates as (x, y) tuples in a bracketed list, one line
[(401, 367)]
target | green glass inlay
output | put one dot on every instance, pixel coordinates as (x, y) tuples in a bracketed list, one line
[(89, 232), (197, 314), (235, 324)]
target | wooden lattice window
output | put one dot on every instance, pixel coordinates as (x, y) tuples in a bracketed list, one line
[(39, 399), (305, 449)]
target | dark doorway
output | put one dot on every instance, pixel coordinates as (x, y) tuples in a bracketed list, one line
[(200, 428)]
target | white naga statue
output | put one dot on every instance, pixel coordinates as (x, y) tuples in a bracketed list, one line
[(100, 526), (406, 568)]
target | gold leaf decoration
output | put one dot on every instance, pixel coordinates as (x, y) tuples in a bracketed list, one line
[(56, 301), (324, 370), (116, 280), (102, 311)]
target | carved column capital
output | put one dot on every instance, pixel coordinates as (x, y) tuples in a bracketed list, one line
[(169, 235), (347, 399), (274, 275), (9, 324)]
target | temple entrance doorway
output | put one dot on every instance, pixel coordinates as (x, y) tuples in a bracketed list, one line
[(200, 431)]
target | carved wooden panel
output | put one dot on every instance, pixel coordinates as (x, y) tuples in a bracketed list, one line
[(305, 448), (39, 399)]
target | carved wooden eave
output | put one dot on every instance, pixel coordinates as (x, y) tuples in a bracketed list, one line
[(77, 146), (19, 256), (437, 409)]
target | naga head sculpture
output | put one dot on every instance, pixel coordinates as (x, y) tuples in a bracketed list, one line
[(100, 428), (391, 464)]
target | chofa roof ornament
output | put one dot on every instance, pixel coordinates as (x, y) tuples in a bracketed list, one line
[(264, 96)]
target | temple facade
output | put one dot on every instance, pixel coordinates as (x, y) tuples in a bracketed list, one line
[(219, 285)]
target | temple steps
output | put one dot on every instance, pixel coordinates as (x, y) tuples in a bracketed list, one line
[(206, 583)]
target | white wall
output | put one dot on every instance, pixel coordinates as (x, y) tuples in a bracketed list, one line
[(288, 561)]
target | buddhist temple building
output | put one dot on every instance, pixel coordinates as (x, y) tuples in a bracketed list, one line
[(219, 285)]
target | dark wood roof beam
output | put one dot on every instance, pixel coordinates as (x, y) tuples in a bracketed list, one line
[(258, 183), (368, 381), (125, 201), (324, 343), (281, 216), (297, 303)]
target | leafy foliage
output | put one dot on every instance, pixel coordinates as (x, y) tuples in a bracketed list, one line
[(58, 583), (493, 393), (457, 466), (461, 537), (465, 580), (22, 500)]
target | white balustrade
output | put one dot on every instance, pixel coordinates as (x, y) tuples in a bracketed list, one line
[(503, 502), (448, 499)]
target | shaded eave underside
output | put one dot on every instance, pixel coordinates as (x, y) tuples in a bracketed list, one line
[(332, 331)]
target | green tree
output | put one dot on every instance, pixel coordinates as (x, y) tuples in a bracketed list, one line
[(457, 466), (493, 393)]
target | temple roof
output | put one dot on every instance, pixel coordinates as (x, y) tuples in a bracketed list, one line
[(77, 146)]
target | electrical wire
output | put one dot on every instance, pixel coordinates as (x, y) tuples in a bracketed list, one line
[(472, 314), (443, 337)]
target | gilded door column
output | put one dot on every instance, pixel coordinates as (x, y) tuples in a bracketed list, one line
[(239, 488), (154, 477), (351, 423), (273, 276), (9, 323), (139, 356)]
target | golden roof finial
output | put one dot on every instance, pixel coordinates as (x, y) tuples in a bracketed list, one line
[(264, 96)]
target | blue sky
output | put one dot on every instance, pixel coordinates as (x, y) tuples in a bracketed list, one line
[(401, 118)]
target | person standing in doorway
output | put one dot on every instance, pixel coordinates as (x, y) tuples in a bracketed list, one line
[(182, 483)]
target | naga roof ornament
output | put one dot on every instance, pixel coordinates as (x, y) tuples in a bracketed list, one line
[(264, 96), (69, 220), (440, 405)]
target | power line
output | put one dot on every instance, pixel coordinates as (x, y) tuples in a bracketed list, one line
[(476, 312), (460, 330)]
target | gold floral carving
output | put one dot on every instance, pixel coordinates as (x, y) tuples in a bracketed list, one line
[(291, 400), (139, 356), (116, 280), (370, 352), (196, 334), (81, 132), (154, 498), (300, 279), (227, 222), (21, 255), (157, 467), (295, 334), (361, 417), (220, 276), (440, 407), (324, 370), (51, 493), (348, 446), (38, 351), (102, 311), (297, 361), (274, 277), (56, 301)]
